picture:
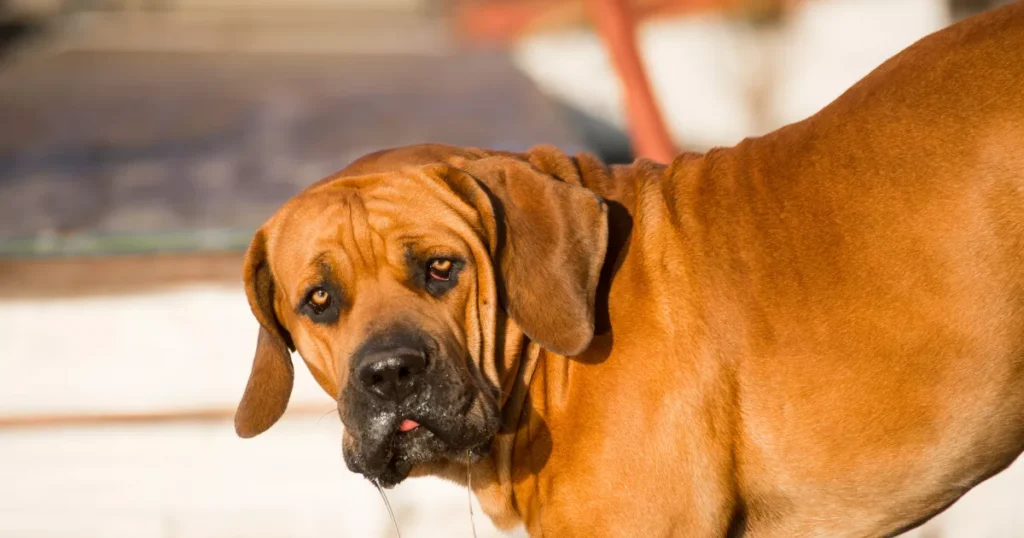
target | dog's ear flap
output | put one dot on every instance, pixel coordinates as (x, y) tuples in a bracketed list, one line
[(270, 382), (550, 252)]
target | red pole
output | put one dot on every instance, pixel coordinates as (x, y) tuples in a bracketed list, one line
[(617, 27)]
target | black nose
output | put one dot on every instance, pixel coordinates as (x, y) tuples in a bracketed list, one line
[(392, 374)]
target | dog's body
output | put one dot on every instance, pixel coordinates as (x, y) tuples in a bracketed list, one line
[(819, 332)]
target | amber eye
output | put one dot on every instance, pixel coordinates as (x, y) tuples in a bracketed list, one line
[(439, 269), (319, 299)]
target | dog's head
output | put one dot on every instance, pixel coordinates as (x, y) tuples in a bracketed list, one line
[(391, 280)]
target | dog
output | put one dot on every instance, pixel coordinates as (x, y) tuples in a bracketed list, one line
[(816, 332)]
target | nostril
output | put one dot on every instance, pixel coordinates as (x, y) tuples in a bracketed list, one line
[(392, 375)]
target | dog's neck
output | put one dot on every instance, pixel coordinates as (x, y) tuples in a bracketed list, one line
[(504, 481)]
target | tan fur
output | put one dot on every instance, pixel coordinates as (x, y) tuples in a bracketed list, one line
[(818, 332)]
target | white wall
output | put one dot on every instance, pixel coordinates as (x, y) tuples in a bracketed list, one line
[(707, 71)]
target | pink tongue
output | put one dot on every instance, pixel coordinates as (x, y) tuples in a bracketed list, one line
[(408, 425)]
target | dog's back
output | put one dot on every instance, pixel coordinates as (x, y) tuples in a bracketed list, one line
[(876, 255)]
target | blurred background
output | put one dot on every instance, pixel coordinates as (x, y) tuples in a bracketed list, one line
[(143, 141)]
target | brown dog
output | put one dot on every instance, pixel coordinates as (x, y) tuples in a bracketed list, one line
[(819, 332)]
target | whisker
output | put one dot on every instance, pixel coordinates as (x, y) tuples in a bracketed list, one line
[(391, 512)]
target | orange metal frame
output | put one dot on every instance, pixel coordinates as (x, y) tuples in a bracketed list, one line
[(616, 22), (617, 27)]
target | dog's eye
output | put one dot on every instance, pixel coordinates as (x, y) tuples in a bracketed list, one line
[(319, 300), (440, 269), (437, 276), (322, 304)]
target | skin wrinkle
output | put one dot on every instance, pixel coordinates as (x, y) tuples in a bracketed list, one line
[(480, 349), (473, 336), (469, 215), (358, 236), (466, 227), (315, 268)]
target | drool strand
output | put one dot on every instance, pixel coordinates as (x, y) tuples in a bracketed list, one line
[(325, 414), (391, 512), (469, 494)]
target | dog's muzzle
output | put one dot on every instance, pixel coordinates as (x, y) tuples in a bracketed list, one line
[(407, 403)]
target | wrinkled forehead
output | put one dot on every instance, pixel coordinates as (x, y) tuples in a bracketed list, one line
[(363, 223)]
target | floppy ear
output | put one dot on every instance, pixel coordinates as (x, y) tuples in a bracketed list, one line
[(270, 382), (554, 241)]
